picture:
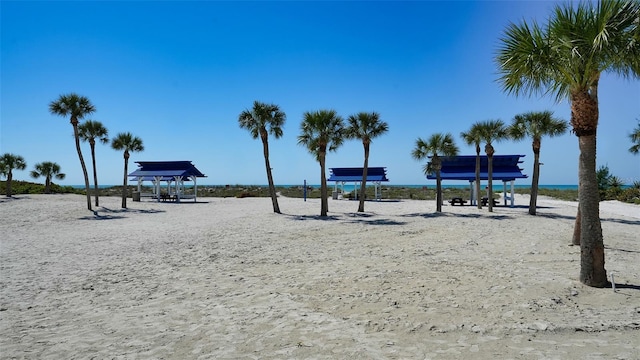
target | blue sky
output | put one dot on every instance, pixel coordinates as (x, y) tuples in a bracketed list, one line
[(178, 74)]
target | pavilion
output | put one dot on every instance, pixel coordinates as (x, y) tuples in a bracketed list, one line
[(505, 169), (174, 173), (375, 175)]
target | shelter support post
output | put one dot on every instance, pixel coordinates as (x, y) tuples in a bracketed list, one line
[(195, 188), (472, 193), (157, 180), (504, 192), (512, 193)]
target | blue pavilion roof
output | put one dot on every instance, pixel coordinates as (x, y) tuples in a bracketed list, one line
[(148, 170), (355, 174)]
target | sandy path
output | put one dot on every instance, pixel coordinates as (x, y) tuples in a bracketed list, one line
[(227, 278)]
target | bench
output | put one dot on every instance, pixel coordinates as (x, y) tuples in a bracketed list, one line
[(165, 197), (457, 200), (485, 201)]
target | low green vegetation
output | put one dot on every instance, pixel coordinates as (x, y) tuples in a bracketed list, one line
[(625, 194), (26, 187)]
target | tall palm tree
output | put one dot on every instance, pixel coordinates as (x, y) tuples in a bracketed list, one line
[(49, 170), (8, 162), (491, 131), (473, 137), (365, 126), (76, 107), (536, 125), (437, 145), (566, 58), (89, 131), (262, 120), (321, 131), (128, 143), (635, 139)]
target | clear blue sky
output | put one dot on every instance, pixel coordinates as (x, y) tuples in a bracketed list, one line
[(177, 74)]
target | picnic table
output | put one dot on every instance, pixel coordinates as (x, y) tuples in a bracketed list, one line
[(458, 201), (485, 201)]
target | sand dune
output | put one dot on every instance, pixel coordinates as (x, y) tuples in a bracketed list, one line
[(227, 279)]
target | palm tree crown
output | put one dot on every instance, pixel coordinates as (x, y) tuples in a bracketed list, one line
[(49, 170), (92, 130), (263, 119), (635, 139), (321, 131), (365, 126), (535, 125), (72, 105), (568, 55), (127, 142), (492, 131)]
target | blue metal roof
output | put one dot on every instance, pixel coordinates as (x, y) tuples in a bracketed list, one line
[(355, 174), (147, 170), (505, 168)]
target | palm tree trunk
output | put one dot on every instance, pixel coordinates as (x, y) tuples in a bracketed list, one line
[(84, 167), (438, 190), (478, 202), (9, 181), (124, 182), (534, 183), (324, 202), (47, 184), (272, 187), (576, 228), (490, 177), (95, 172), (592, 271), (365, 170)]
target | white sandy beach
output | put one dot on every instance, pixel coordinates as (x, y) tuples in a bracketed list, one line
[(229, 279)]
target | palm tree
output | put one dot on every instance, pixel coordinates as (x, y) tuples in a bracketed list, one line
[(635, 139), (536, 125), (89, 131), (473, 137), (321, 131), (566, 58), (262, 120), (48, 170), (437, 145), (8, 162), (365, 126), (491, 131), (128, 143), (77, 107)]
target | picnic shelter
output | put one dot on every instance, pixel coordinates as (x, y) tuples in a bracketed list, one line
[(375, 175), (505, 168), (173, 173)]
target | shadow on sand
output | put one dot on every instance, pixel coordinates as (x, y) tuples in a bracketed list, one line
[(464, 216), (111, 214), (5, 199)]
